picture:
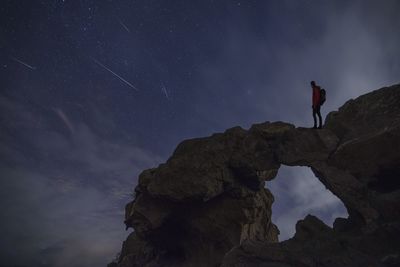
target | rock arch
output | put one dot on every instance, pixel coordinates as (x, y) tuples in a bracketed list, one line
[(209, 197)]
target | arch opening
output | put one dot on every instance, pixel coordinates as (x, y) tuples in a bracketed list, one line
[(297, 193)]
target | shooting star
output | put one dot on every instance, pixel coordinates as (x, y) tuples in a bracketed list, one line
[(164, 90), (124, 26), (23, 63), (65, 120), (119, 77)]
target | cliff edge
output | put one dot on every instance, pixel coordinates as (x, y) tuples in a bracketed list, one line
[(208, 205)]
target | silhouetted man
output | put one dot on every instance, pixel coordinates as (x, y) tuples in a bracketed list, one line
[(316, 104)]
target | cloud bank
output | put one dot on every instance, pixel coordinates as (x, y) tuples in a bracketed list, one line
[(63, 190)]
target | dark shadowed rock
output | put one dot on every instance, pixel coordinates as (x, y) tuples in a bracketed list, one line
[(207, 205), (366, 114)]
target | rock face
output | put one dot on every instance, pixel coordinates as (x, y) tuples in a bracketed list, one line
[(207, 205)]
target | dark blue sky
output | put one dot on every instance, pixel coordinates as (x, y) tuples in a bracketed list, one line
[(93, 92)]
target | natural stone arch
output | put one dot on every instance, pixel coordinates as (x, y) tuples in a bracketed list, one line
[(209, 196), (219, 182), (305, 147)]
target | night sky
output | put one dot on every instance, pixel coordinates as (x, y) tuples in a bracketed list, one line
[(94, 92)]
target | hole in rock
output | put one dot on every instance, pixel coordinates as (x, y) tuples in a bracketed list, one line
[(298, 192)]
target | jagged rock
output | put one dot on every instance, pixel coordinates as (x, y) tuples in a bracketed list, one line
[(314, 244), (208, 205), (367, 114)]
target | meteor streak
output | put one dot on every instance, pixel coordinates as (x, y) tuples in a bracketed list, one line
[(164, 89), (119, 77), (124, 26), (23, 63), (65, 119)]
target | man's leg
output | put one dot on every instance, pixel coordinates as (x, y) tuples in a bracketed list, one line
[(319, 116), (314, 111)]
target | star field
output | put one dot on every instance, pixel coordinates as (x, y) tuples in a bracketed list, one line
[(94, 92)]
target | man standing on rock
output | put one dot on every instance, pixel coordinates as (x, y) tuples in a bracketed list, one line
[(316, 104)]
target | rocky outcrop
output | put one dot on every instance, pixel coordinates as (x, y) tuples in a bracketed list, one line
[(208, 205)]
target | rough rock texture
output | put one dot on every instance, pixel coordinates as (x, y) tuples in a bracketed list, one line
[(207, 205)]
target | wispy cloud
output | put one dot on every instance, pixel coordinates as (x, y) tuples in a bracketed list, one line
[(64, 203), (258, 77)]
